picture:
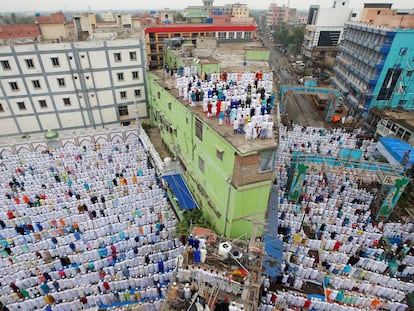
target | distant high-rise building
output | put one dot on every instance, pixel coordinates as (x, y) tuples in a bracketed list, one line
[(208, 5), (278, 14), (108, 17), (324, 31)]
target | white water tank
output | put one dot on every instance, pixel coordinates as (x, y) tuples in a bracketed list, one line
[(224, 249)]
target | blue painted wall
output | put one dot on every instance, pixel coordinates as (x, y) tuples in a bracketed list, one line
[(401, 55)]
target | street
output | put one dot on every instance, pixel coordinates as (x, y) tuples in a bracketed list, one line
[(299, 109)]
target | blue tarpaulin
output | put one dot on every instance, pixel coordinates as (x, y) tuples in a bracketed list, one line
[(181, 191), (273, 246), (397, 149)]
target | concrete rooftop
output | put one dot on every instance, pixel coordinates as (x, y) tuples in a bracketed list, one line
[(243, 146)]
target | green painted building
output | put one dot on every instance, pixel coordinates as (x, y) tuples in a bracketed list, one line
[(196, 14), (229, 177)]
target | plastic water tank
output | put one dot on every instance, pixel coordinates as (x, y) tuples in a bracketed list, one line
[(224, 249)]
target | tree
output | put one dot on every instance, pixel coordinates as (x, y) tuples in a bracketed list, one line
[(297, 38), (291, 39), (15, 19), (178, 17), (25, 20), (190, 219)]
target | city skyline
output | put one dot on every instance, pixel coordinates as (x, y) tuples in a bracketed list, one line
[(93, 5)]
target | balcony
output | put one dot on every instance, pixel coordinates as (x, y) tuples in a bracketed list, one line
[(339, 72), (342, 88), (372, 62), (351, 99), (374, 80)]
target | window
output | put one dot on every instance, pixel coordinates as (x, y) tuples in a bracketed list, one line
[(406, 136), (199, 129), (133, 55), (29, 63), (409, 73), (266, 161), (159, 95), (402, 102), (21, 105), (14, 86), (247, 35), (1, 108), (231, 35), (123, 94), (123, 110), (389, 125), (117, 57), (169, 106), (36, 84), (201, 164), (120, 76), (42, 103), (137, 93), (400, 132), (219, 154), (5, 64), (66, 101), (61, 81), (239, 34), (55, 62), (135, 75), (390, 81), (222, 35)]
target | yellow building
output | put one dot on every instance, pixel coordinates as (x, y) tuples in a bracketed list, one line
[(52, 27)]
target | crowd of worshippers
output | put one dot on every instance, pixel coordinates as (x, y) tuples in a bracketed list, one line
[(242, 100), (84, 227), (319, 141), (332, 239)]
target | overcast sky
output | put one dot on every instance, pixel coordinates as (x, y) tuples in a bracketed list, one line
[(114, 5)]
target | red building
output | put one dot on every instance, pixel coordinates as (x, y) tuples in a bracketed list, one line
[(155, 36)]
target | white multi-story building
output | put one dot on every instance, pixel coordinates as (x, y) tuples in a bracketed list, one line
[(108, 17), (324, 31), (277, 15), (80, 85)]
